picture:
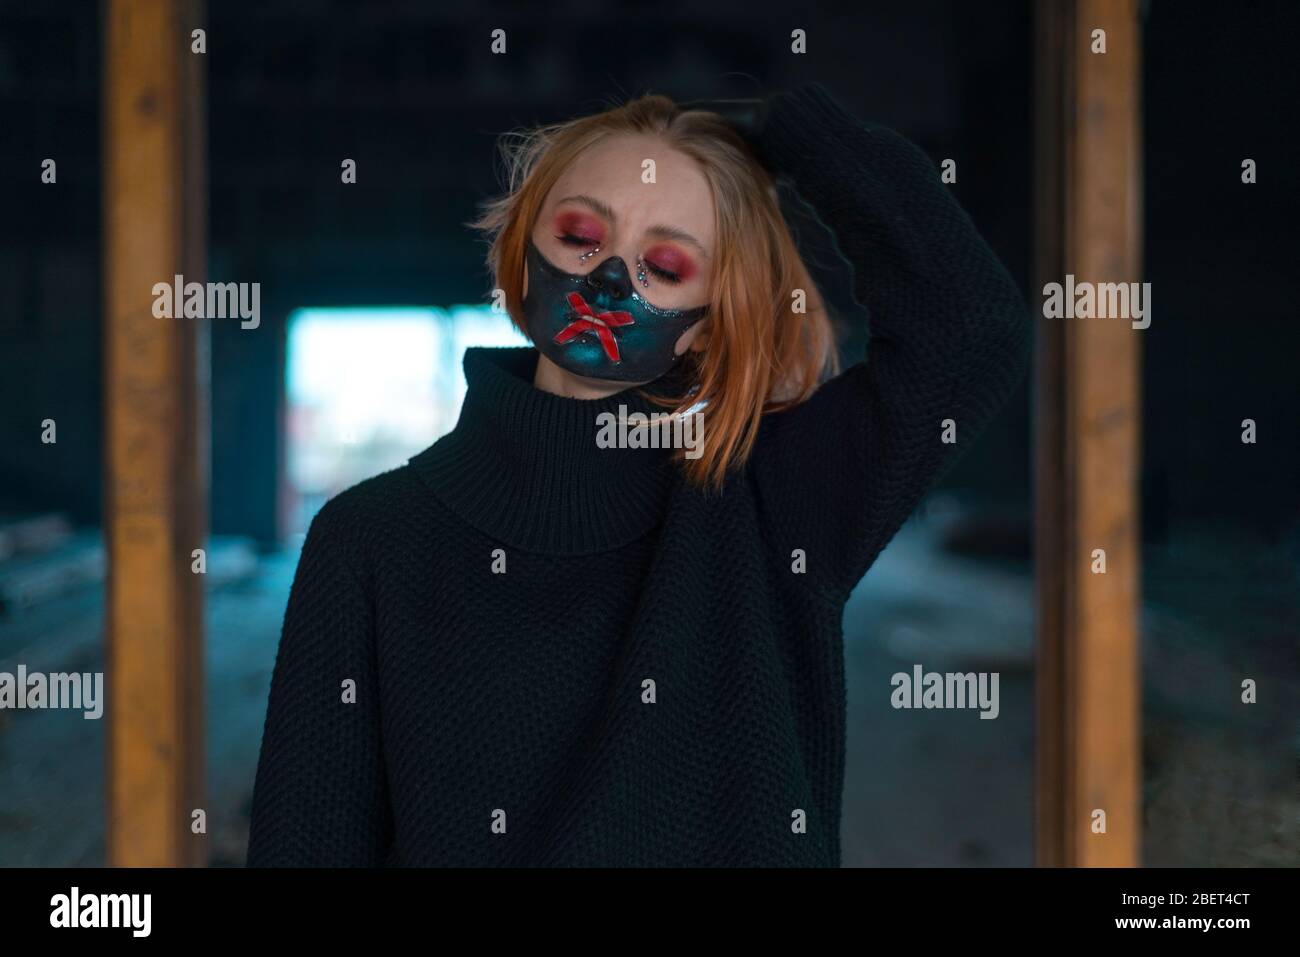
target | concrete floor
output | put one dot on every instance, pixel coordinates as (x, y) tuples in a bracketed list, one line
[(923, 788)]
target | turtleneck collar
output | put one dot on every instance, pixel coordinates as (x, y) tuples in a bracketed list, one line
[(522, 465)]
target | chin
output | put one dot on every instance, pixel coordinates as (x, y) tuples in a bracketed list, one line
[(585, 382), (597, 383)]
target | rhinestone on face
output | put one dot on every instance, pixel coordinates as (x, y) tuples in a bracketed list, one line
[(588, 254), (640, 273)]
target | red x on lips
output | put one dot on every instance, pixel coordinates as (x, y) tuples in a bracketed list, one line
[(590, 321)]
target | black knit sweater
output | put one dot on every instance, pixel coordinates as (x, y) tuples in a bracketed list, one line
[(651, 680)]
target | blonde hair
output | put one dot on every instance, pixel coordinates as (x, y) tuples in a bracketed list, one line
[(761, 355)]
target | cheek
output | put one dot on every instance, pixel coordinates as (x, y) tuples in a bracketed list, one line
[(686, 338)]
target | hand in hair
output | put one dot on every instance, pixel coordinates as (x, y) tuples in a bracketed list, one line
[(747, 116)]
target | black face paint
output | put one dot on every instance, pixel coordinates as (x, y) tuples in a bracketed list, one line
[(597, 325)]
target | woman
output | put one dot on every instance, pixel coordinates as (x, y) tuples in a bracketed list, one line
[(527, 647)]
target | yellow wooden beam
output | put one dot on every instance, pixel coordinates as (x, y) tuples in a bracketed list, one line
[(156, 423), (1088, 414)]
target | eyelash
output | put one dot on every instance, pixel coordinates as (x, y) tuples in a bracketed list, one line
[(669, 277)]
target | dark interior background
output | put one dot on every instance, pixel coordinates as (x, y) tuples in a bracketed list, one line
[(405, 90), (408, 90)]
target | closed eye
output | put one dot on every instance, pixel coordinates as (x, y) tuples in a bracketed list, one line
[(668, 277), (668, 263)]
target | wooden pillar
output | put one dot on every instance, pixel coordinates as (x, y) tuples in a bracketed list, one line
[(1087, 418), (156, 421)]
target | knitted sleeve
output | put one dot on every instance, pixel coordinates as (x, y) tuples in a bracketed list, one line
[(320, 797), (837, 475)]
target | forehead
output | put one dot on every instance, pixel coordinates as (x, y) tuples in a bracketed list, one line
[(611, 171)]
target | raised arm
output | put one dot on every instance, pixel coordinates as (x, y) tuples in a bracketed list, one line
[(838, 474)]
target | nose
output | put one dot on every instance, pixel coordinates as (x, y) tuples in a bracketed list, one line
[(612, 278)]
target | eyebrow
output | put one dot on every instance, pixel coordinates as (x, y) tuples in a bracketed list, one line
[(660, 232)]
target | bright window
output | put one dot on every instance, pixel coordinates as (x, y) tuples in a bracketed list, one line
[(370, 387)]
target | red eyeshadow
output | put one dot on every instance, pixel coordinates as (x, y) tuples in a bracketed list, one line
[(581, 226), (671, 260)]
